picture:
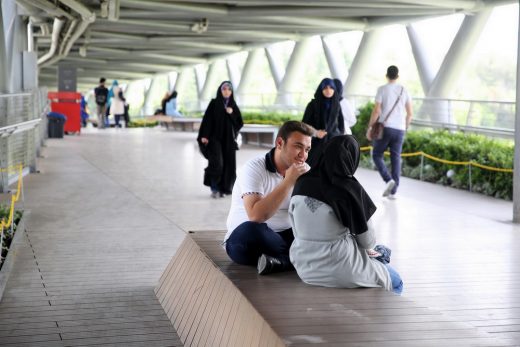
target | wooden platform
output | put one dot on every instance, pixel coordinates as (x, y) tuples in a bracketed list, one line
[(198, 292)]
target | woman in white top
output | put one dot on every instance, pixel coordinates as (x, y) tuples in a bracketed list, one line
[(330, 215)]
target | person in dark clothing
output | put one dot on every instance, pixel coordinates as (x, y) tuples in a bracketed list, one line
[(324, 114), (101, 95), (217, 140)]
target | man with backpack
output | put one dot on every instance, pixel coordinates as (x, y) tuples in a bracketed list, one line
[(101, 94)]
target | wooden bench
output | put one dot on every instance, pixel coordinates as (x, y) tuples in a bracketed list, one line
[(214, 302), (259, 134)]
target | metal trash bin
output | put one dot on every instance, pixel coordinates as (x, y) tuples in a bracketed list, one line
[(55, 123)]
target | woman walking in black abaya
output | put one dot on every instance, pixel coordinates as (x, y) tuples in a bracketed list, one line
[(217, 140)]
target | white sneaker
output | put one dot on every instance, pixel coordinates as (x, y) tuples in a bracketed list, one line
[(392, 197), (389, 186)]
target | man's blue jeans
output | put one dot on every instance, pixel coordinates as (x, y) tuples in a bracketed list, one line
[(250, 240), (393, 139)]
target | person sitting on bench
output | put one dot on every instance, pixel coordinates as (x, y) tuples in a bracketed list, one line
[(259, 231)]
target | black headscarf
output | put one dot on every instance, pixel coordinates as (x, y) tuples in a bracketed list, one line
[(332, 181)]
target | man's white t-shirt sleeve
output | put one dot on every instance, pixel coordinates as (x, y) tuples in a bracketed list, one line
[(251, 179)]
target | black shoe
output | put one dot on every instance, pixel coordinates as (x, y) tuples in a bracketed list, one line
[(268, 264)]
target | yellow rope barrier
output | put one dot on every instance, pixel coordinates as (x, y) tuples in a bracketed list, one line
[(444, 161)]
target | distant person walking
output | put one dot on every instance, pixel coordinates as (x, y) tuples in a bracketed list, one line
[(393, 107), (101, 96), (217, 140), (324, 114)]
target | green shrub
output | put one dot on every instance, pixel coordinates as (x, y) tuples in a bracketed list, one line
[(272, 118), (360, 128), (8, 234), (143, 123)]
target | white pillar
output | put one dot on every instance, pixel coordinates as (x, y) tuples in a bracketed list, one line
[(248, 73), (364, 55), (210, 85), (452, 67), (4, 68), (424, 67), (516, 172), (460, 49), (337, 66), (274, 66), (233, 73), (294, 70)]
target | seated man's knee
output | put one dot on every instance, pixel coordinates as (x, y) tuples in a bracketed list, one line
[(242, 244)]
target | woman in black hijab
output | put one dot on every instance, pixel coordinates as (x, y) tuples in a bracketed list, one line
[(324, 114), (330, 215), (217, 140)]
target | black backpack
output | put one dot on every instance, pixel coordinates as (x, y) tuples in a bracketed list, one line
[(101, 99)]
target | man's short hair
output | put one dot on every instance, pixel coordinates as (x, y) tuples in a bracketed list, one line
[(392, 72), (102, 80), (291, 126)]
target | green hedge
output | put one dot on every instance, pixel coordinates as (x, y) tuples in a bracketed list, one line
[(8, 234), (143, 123), (452, 146), (272, 118)]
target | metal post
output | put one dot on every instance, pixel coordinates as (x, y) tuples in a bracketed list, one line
[(516, 172), (469, 177), (422, 166)]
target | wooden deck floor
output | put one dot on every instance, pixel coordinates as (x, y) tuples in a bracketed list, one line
[(105, 222), (306, 315)]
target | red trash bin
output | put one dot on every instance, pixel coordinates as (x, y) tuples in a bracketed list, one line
[(69, 104)]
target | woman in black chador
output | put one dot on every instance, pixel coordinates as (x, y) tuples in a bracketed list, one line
[(324, 114), (217, 140)]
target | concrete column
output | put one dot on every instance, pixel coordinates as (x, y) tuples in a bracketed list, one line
[(424, 67), (274, 66), (453, 64), (294, 70), (233, 73), (147, 107), (4, 68), (15, 35), (248, 73), (364, 55), (210, 85), (146, 93), (516, 165), (336, 65)]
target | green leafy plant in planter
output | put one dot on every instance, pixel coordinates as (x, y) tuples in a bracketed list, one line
[(143, 123), (360, 128), (269, 118), (9, 232)]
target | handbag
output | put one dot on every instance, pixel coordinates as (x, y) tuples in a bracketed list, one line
[(378, 128)]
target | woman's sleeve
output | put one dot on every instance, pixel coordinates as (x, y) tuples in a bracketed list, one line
[(205, 125), (367, 240), (341, 121), (308, 116), (236, 118)]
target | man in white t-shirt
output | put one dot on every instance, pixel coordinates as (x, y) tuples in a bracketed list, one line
[(393, 107), (259, 229)]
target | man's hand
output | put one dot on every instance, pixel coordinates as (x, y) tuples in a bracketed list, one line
[(204, 140), (368, 135), (295, 171)]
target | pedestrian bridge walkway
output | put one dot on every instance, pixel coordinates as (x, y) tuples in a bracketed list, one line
[(110, 208)]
